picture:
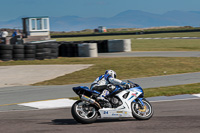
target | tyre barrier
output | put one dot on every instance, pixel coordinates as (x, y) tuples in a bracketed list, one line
[(18, 56), (71, 49), (102, 46), (51, 50), (6, 52), (29, 51), (119, 45), (48, 50), (87, 50), (68, 49), (39, 52), (18, 52)]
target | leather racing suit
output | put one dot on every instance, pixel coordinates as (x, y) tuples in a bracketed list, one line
[(102, 82)]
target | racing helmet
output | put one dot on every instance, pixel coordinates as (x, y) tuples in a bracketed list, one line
[(111, 73)]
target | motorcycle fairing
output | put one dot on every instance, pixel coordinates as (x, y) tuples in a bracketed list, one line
[(84, 89), (125, 109)]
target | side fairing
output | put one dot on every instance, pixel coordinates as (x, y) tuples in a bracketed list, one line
[(125, 109)]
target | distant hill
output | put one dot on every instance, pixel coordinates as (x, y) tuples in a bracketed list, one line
[(126, 19)]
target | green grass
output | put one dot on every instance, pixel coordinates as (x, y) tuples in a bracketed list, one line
[(166, 45), (168, 91), (126, 68), (152, 45), (173, 90)]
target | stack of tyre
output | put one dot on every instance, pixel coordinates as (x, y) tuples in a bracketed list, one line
[(63, 49), (39, 51), (54, 50), (18, 52), (29, 51), (102, 46), (69, 49), (6, 52), (46, 51)]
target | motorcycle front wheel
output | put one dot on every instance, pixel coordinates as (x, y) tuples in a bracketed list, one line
[(83, 112), (144, 113)]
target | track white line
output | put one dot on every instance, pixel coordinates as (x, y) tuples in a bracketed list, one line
[(197, 95), (48, 104)]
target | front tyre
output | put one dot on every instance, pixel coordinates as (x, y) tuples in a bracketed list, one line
[(142, 114), (83, 112)]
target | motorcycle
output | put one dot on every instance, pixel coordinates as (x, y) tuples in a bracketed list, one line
[(120, 103)]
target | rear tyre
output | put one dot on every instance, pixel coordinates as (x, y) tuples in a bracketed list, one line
[(142, 114), (84, 113)]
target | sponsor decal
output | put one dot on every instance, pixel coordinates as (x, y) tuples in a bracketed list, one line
[(134, 94), (125, 112), (86, 97), (114, 114), (119, 111), (105, 112)]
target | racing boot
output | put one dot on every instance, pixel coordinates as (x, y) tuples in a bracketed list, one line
[(103, 95)]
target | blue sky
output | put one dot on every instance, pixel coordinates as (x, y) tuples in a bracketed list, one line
[(11, 9)]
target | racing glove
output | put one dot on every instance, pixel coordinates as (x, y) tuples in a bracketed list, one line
[(128, 86)]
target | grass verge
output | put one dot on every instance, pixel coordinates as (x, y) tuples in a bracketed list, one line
[(166, 45), (168, 91), (126, 68), (173, 90)]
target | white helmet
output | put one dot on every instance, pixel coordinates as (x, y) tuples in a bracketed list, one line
[(111, 73)]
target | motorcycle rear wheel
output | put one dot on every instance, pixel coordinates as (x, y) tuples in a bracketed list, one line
[(142, 114), (84, 113)]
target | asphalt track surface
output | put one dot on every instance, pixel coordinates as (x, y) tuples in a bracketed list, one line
[(152, 54), (169, 117)]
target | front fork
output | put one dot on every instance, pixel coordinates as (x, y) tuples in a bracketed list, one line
[(139, 102)]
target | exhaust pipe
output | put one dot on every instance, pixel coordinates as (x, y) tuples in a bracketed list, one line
[(87, 99), (90, 100)]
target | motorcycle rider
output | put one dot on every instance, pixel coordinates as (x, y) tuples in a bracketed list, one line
[(106, 83)]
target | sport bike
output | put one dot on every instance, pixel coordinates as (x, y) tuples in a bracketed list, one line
[(120, 103)]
